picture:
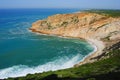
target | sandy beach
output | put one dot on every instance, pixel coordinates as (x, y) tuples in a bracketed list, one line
[(98, 48)]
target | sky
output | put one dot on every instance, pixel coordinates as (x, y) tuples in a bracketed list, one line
[(96, 4)]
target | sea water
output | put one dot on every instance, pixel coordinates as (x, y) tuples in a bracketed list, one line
[(23, 52)]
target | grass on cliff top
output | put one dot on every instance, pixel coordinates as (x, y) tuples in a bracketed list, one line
[(106, 69), (111, 13)]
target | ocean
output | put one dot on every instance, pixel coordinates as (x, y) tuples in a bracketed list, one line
[(23, 52)]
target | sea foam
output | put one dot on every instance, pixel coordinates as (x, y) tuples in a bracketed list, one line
[(23, 70)]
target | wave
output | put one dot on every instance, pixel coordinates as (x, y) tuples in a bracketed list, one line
[(17, 30), (23, 70), (95, 49)]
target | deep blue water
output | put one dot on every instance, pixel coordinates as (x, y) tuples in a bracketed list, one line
[(23, 52)]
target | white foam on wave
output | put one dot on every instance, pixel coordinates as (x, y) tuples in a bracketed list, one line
[(95, 49), (17, 30), (23, 70)]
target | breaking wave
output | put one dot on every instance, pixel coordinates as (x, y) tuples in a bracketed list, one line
[(23, 70)]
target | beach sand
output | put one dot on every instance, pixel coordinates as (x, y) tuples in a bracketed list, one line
[(98, 48)]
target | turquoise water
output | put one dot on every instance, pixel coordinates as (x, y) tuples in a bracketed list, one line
[(23, 52)]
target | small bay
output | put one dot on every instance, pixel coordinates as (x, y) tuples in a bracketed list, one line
[(23, 52)]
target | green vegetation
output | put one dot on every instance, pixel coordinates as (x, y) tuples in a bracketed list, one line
[(75, 19), (106, 38), (49, 26), (64, 24), (105, 69), (100, 27), (112, 13)]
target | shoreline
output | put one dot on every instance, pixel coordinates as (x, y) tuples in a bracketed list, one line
[(97, 29), (96, 52), (96, 44)]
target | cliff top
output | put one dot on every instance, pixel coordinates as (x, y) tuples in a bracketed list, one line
[(111, 13)]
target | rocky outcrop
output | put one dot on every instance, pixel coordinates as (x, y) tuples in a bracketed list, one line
[(89, 26), (83, 25)]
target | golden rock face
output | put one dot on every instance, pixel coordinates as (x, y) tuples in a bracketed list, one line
[(82, 25)]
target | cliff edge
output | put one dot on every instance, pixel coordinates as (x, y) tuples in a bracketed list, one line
[(100, 29)]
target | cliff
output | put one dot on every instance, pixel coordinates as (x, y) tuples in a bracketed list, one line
[(100, 29), (83, 25), (103, 30)]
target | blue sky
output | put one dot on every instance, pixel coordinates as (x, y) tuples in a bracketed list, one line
[(103, 4)]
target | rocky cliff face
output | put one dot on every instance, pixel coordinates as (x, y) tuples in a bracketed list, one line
[(83, 25), (102, 30)]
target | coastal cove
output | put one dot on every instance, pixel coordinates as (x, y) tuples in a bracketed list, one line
[(23, 52), (97, 45), (60, 40), (61, 46), (92, 25)]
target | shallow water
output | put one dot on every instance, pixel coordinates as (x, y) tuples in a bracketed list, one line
[(23, 52)]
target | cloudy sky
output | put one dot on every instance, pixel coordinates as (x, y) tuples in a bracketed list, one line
[(102, 4)]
